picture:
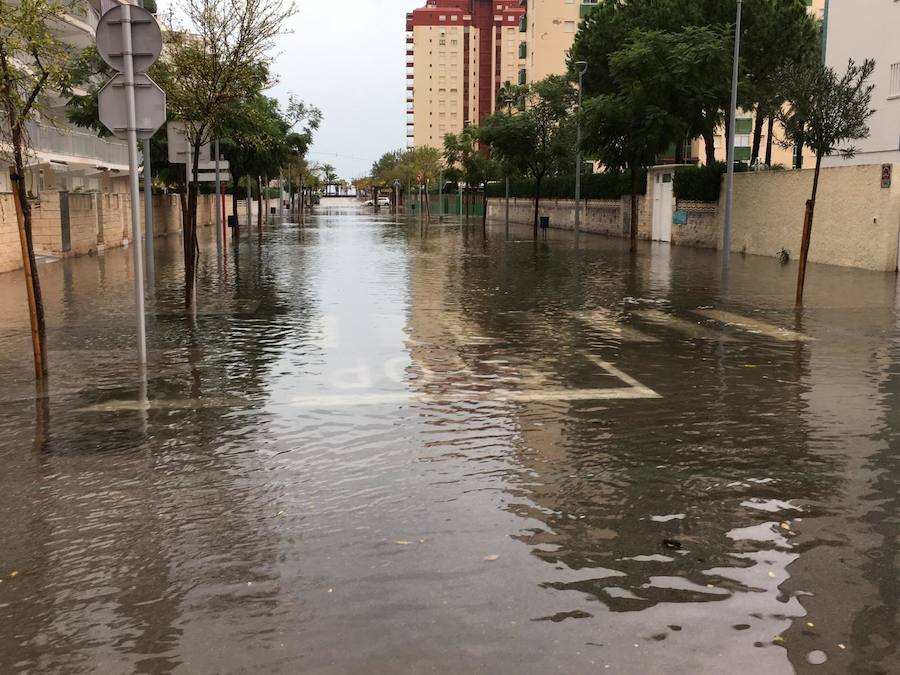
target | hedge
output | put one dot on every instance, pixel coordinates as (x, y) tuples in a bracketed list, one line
[(593, 186), (702, 183)]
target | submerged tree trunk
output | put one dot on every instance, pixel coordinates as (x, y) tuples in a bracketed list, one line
[(259, 204), (770, 140), (537, 203), (484, 208), (807, 233), (634, 211), (189, 226), (29, 264)]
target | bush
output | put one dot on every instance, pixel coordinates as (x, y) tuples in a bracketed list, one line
[(702, 183), (611, 185)]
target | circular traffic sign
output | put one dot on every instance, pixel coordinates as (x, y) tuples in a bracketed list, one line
[(146, 38)]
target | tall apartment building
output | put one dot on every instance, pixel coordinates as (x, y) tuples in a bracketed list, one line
[(64, 157), (459, 53), (870, 29), (551, 26)]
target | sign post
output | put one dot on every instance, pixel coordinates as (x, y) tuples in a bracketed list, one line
[(130, 41)]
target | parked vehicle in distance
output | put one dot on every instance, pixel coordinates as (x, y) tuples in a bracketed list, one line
[(382, 201)]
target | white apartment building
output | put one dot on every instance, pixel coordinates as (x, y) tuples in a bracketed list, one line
[(64, 157), (861, 29)]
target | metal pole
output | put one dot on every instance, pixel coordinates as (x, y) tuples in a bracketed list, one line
[(134, 185), (218, 197), (280, 194), (582, 68), (509, 104), (148, 217), (148, 214), (441, 197), (729, 188)]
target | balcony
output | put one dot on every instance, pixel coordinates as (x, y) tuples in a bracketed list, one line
[(78, 149)]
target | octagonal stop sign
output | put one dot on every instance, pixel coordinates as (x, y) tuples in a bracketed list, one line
[(149, 105)]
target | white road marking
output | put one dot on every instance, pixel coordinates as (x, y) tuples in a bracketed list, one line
[(689, 328), (606, 322), (635, 386), (754, 325)]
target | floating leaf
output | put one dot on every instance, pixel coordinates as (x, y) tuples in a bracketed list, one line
[(491, 558)]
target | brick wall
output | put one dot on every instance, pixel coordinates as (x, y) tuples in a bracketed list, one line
[(95, 219)]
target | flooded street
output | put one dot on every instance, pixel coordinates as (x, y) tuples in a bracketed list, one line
[(386, 448)]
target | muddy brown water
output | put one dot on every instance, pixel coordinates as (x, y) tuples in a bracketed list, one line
[(385, 448)]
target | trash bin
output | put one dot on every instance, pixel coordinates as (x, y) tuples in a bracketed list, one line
[(545, 222)]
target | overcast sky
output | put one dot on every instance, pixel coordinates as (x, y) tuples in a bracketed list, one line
[(348, 57)]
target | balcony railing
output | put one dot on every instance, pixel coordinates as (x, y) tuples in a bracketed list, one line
[(81, 146)]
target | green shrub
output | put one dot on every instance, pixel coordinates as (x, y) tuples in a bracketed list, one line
[(699, 183), (610, 185)]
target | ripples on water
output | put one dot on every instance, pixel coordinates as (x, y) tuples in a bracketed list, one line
[(385, 448)]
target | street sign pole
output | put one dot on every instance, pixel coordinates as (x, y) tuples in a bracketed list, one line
[(148, 218), (729, 179), (148, 214), (135, 188), (218, 197)]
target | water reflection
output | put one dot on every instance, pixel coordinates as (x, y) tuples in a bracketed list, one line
[(384, 447)]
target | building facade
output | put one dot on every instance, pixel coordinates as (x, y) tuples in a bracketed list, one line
[(63, 157), (870, 29), (458, 54), (551, 26)]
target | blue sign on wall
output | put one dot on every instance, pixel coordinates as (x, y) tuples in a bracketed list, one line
[(680, 218)]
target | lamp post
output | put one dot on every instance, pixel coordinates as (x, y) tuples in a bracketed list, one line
[(509, 105), (582, 67), (729, 194)]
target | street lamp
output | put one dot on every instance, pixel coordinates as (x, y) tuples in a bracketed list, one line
[(582, 67), (509, 104), (729, 196)]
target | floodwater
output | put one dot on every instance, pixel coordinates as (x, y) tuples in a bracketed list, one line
[(385, 448)]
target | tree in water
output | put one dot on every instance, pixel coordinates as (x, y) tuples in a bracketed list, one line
[(825, 111)]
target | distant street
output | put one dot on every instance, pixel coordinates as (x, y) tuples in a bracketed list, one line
[(381, 446)]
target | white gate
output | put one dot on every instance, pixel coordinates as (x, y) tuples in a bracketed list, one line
[(663, 195)]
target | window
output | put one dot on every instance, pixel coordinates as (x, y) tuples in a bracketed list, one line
[(743, 126), (894, 91)]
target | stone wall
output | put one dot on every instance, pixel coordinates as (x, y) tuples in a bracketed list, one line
[(602, 216), (95, 220), (857, 222), (702, 229)]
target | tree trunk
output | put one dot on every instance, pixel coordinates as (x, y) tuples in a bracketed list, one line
[(757, 135), (537, 203), (189, 225), (466, 196), (727, 128), (709, 142), (634, 211), (29, 265), (770, 140), (807, 233), (679, 152), (259, 204), (798, 152), (484, 209)]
